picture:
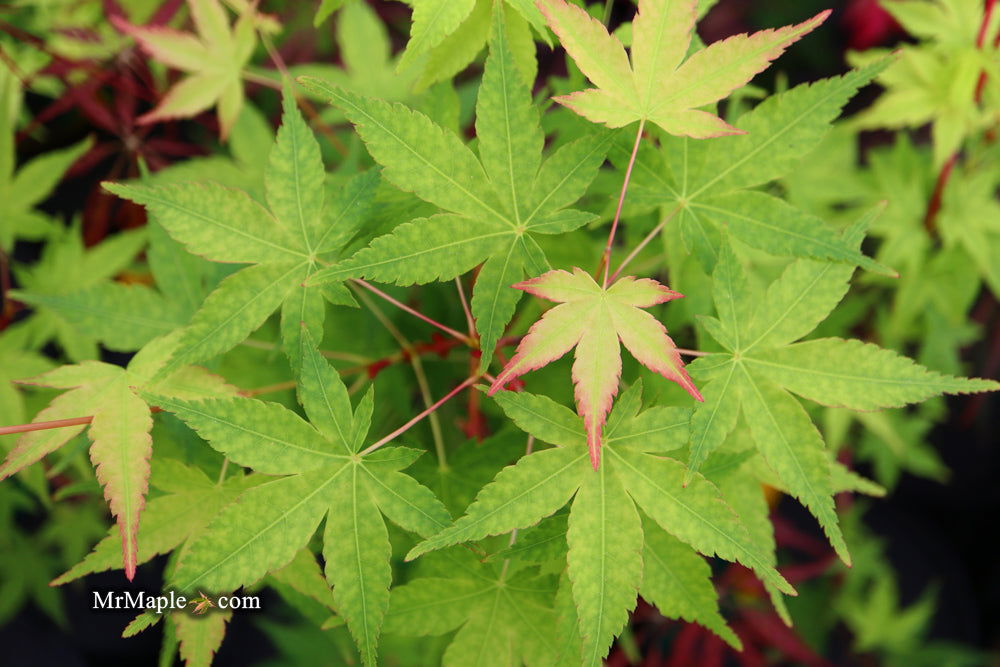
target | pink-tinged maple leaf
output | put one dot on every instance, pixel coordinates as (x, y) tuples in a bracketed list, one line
[(594, 320), (119, 428), (214, 59), (655, 83)]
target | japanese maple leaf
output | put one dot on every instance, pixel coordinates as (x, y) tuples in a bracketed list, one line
[(761, 367), (283, 244), (612, 551), (214, 57), (320, 470), (494, 201), (594, 319), (120, 428), (656, 86)]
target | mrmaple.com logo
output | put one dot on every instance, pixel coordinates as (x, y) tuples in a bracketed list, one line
[(171, 601)]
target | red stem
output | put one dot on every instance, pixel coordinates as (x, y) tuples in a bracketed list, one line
[(41, 426), (934, 205), (408, 425), (606, 258), (402, 306), (980, 40), (465, 308)]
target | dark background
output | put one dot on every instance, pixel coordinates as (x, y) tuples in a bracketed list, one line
[(935, 533)]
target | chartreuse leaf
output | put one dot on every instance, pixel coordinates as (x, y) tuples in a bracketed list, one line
[(502, 615), (857, 375), (707, 183), (655, 86), (31, 184), (322, 476), (936, 81), (494, 201), (745, 494), (679, 582), (593, 319), (284, 245), (604, 561), (122, 317), (199, 637), (605, 535), (119, 430), (760, 367), (167, 520), (446, 36), (67, 266), (214, 59)]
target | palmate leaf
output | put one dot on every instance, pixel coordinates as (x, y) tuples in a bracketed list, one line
[(124, 317), (120, 430), (503, 615), (763, 364), (593, 320), (214, 59), (284, 245), (655, 86), (708, 184), (496, 202), (67, 266), (605, 536), (323, 474)]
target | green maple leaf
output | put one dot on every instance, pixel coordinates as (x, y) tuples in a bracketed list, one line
[(214, 59), (655, 86), (447, 35), (323, 472), (369, 66), (762, 365), (22, 189), (120, 429), (605, 531), (593, 319), (124, 317), (284, 245), (936, 80), (190, 500), (66, 266), (495, 202), (501, 614), (712, 185), (17, 361)]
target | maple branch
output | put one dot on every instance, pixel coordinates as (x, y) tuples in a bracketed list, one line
[(465, 308), (692, 353), (605, 264), (402, 306), (642, 244), (430, 410)]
